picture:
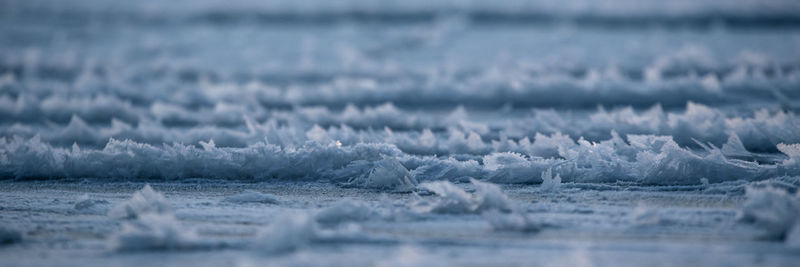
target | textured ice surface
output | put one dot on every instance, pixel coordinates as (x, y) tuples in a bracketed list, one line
[(410, 133), (611, 225), (646, 159)]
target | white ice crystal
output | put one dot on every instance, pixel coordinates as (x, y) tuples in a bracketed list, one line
[(550, 183)]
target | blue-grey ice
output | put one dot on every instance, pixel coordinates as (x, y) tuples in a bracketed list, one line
[(399, 133)]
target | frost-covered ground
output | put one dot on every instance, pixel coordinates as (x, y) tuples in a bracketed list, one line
[(553, 133)]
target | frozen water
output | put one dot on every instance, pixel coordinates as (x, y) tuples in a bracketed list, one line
[(288, 232), (511, 222), (646, 159), (9, 236), (86, 204), (154, 232), (252, 197), (345, 211), (363, 133), (549, 182), (773, 210), (293, 231), (151, 225), (453, 199), (144, 201), (372, 225)]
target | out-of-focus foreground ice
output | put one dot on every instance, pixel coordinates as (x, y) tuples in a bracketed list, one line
[(563, 133)]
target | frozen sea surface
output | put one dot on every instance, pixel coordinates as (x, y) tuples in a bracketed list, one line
[(323, 224), (552, 133)]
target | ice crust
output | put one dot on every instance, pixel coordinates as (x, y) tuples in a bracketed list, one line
[(760, 130), (646, 159)]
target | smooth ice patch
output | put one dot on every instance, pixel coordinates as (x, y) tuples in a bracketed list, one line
[(9, 236), (250, 196)]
